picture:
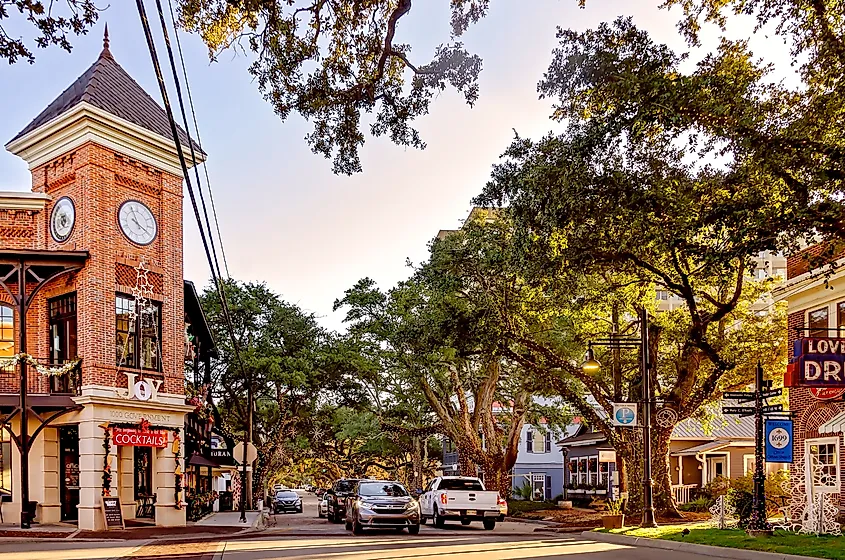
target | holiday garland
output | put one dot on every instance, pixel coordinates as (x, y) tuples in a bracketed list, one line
[(57, 371), (144, 425)]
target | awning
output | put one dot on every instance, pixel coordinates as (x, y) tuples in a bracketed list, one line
[(835, 425), (703, 448), (197, 460)]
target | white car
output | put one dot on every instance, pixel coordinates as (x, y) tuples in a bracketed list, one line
[(460, 498), (323, 507)]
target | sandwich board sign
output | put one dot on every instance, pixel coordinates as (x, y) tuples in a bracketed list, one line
[(112, 513)]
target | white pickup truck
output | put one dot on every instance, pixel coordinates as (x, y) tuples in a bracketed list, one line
[(459, 498)]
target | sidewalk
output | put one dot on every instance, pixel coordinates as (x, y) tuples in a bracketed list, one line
[(230, 519)]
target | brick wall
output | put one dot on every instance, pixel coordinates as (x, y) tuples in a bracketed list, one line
[(98, 180), (813, 256)]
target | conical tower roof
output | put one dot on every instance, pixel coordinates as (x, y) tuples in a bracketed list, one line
[(107, 86)]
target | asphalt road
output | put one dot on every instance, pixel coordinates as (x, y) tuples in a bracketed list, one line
[(305, 537)]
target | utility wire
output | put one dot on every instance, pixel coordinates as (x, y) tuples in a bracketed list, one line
[(187, 132), (199, 142), (174, 130)]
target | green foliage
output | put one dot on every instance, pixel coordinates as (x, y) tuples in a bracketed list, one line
[(699, 505), (333, 62), (522, 492), (53, 24), (518, 507), (614, 507), (741, 495)]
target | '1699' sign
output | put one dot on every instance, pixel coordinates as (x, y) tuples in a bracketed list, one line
[(818, 362)]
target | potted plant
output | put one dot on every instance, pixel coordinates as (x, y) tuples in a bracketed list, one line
[(613, 517)]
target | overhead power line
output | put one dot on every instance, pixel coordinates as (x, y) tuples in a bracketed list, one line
[(199, 142), (218, 283)]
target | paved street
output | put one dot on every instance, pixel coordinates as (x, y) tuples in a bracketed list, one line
[(305, 537)]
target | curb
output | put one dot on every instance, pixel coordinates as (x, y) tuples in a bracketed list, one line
[(534, 521), (562, 529), (701, 549)]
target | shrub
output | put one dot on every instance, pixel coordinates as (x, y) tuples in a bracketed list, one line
[(741, 494), (699, 505), (558, 498), (522, 492), (517, 508)]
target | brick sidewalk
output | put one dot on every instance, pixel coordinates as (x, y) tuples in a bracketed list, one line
[(179, 551)]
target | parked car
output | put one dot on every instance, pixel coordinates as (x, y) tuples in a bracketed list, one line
[(287, 500), (382, 504), (319, 492), (460, 498), (322, 506), (337, 494)]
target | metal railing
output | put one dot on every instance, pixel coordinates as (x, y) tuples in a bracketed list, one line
[(40, 384)]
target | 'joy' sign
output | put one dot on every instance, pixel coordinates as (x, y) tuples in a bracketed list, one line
[(143, 390)]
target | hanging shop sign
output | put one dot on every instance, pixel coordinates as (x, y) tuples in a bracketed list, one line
[(624, 414), (818, 362), (607, 456), (778, 440), (142, 390), (139, 437)]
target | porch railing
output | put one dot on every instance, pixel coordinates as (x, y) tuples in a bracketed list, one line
[(38, 384), (682, 492)]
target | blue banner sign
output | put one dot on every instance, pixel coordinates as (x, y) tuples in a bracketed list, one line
[(818, 362), (779, 441)]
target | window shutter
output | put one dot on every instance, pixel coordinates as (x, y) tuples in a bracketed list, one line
[(548, 442), (529, 442)]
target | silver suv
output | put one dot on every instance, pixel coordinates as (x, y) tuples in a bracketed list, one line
[(382, 504)]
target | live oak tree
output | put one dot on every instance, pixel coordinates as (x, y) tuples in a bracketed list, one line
[(339, 63), (623, 191), (287, 359)]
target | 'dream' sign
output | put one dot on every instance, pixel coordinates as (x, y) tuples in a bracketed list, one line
[(820, 362)]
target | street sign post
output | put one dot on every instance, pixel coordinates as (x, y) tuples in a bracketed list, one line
[(762, 391)]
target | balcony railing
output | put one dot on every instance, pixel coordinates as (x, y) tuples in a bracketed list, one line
[(40, 384)]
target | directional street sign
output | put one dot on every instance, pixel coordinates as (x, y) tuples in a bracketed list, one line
[(741, 397), (772, 408), (772, 393), (744, 410)]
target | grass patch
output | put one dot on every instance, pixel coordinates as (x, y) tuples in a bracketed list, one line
[(523, 506), (782, 542)]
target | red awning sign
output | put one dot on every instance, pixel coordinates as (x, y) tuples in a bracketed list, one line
[(140, 438)]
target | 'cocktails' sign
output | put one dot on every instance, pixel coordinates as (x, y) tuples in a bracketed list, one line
[(140, 438), (818, 362)]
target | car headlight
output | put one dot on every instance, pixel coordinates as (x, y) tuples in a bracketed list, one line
[(412, 505), (365, 505)]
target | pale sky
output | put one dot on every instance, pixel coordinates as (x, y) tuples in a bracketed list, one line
[(285, 218)]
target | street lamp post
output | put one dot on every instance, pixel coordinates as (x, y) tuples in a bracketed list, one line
[(247, 441), (592, 366)]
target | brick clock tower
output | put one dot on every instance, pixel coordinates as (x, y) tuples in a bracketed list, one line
[(106, 180)]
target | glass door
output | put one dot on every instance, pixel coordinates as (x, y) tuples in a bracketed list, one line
[(69, 461)]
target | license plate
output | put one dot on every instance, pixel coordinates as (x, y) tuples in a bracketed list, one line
[(491, 514), (471, 512)]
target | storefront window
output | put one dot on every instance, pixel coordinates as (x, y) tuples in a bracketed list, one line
[(7, 334), (6, 461), (840, 317), (825, 457), (132, 350), (817, 321)]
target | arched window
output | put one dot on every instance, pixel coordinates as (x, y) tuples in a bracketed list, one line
[(7, 331)]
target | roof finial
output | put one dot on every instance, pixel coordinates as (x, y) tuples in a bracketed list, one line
[(106, 51)]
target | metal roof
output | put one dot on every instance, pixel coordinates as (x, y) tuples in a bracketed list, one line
[(704, 447), (107, 86), (718, 427)]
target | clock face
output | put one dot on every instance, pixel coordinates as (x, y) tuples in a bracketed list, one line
[(137, 222), (62, 219)]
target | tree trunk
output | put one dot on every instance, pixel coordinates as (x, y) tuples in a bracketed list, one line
[(664, 502), (466, 466), (497, 478), (629, 454)]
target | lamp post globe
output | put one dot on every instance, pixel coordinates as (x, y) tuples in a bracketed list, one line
[(591, 365)]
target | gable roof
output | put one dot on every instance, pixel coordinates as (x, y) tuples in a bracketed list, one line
[(107, 86)]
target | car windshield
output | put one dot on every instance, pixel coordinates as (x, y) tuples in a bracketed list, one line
[(286, 495), (382, 489), (345, 486), (461, 484)]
